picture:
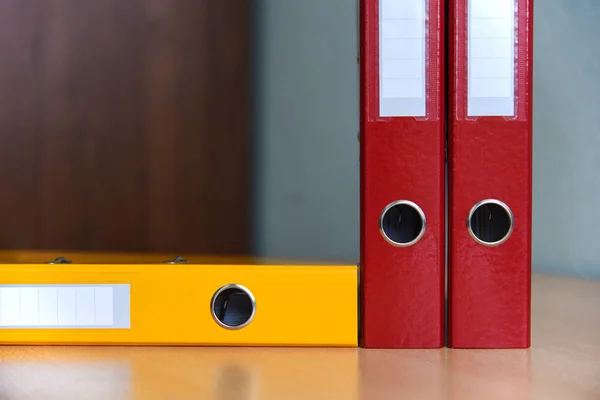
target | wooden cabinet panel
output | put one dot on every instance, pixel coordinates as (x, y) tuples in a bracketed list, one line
[(125, 125)]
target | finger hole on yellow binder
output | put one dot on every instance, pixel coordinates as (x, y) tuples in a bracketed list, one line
[(233, 306)]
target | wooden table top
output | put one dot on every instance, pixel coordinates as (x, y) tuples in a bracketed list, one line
[(564, 363)]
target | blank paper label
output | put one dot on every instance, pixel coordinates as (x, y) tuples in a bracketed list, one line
[(491, 58), (64, 306), (402, 75)]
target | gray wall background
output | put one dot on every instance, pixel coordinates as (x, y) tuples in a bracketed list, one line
[(566, 198), (307, 195)]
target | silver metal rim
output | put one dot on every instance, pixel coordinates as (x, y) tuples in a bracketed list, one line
[(508, 212), (417, 209), (221, 290)]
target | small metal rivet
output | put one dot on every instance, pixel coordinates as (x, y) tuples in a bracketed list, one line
[(59, 260), (177, 260)]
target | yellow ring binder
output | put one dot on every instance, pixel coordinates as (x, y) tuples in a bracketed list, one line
[(175, 304)]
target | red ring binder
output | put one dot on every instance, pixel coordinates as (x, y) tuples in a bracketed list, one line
[(402, 159), (490, 156)]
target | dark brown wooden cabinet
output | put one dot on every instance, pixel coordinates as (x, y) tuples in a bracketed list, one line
[(125, 125)]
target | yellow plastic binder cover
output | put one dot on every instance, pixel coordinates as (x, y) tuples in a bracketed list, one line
[(90, 257), (179, 304)]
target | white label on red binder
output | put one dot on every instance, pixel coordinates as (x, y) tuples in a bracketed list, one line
[(402, 75), (491, 64), (64, 306)]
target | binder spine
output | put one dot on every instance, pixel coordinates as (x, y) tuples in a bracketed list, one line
[(179, 304), (402, 173), (490, 173)]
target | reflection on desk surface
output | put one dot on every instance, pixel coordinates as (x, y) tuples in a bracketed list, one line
[(178, 373)]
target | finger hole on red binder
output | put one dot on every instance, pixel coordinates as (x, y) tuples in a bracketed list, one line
[(233, 306), (402, 223), (490, 222)]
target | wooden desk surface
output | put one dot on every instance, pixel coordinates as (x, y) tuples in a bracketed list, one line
[(564, 363)]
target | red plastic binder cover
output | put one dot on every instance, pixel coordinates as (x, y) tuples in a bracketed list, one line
[(490, 154), (402, 174)]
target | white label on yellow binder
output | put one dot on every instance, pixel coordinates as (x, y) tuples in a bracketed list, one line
[(402, 74), (491, 63), (64, 306)]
